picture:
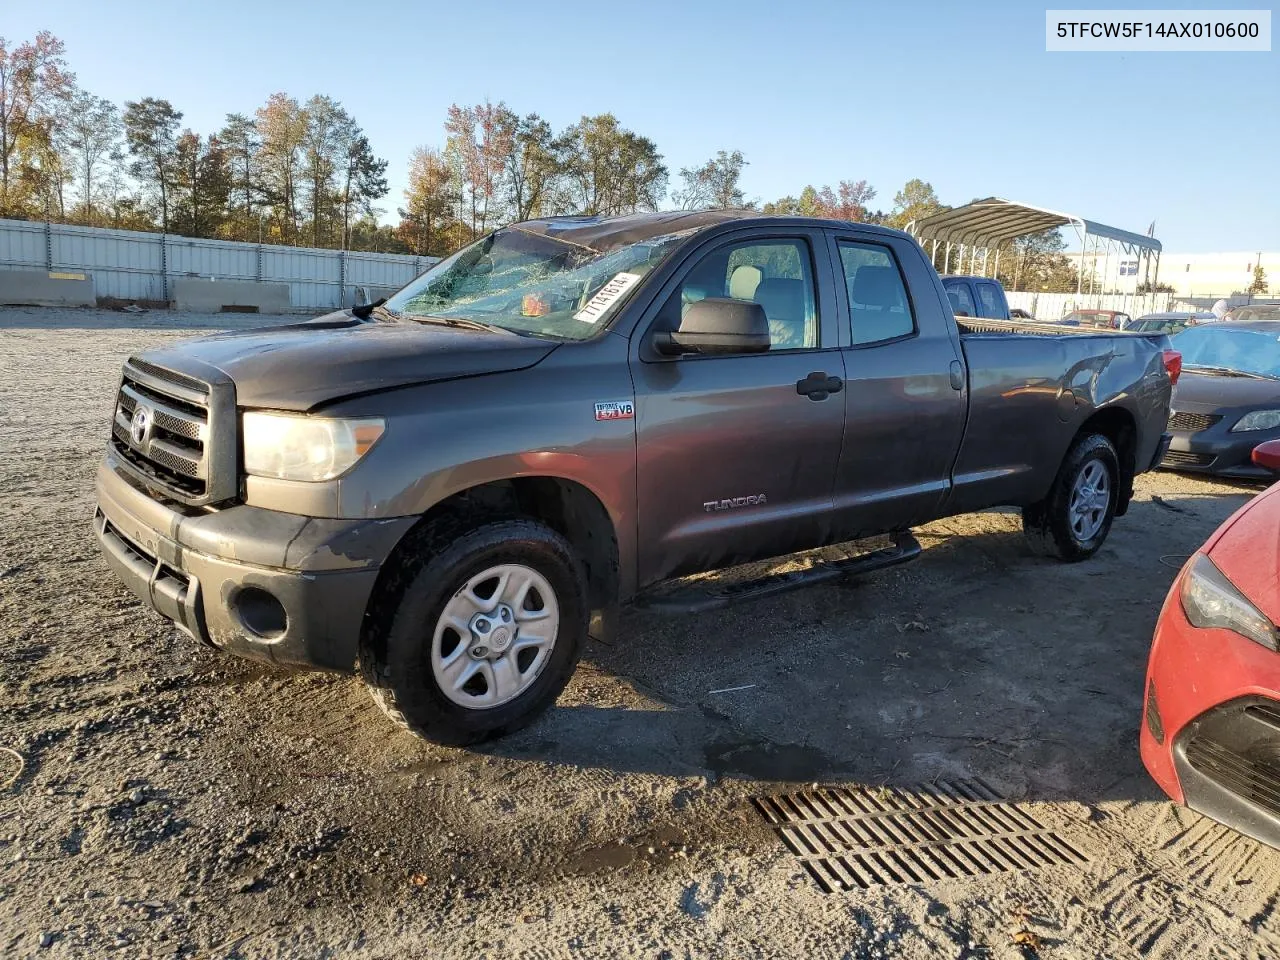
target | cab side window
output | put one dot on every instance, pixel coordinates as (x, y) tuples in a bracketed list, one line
[(990, 297), (879, 309), (775, 273), (961, 299)]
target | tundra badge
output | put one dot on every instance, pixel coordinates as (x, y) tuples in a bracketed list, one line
[(616, 410), (755, 500)]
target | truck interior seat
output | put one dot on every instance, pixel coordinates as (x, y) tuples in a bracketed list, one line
[(877, 304), (783, 301), (744, 280)]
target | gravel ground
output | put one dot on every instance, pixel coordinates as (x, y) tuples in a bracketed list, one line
[(173, 802)]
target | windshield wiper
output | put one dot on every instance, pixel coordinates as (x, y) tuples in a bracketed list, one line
[(464, 323), (1226, 371)]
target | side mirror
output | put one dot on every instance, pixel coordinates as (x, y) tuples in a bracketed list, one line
[(1268, 455), (716, 326)]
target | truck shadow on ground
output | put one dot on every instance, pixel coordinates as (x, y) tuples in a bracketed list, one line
[(980, 659)]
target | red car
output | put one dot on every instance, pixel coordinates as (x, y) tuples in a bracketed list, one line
[(1211, 730)]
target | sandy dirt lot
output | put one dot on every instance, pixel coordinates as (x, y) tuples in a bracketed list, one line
[(176, 803)]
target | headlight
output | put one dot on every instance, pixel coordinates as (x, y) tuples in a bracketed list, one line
[(1209, 599), (1258, 420), (305, 448)]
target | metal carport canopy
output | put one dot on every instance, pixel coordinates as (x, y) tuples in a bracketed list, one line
[(993, 221)]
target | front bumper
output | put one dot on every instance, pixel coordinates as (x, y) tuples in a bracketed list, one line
[(1218, 451), (199, 570), (1210, 734)]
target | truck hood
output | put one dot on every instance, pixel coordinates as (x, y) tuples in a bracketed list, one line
[(301, 366)]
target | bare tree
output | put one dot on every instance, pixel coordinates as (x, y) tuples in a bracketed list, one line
[(93, 137)]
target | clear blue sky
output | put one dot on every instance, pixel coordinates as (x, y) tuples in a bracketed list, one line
[(962, 95)]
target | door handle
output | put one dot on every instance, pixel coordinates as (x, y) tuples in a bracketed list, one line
[(957, 375), (819, 386)]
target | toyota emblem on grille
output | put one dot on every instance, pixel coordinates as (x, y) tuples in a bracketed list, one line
[(140, 425)]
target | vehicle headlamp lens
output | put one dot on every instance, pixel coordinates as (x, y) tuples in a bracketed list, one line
[(290, 447), (1209, 599), (1258, 420)]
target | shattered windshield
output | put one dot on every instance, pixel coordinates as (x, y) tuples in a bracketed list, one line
[(531, 283)]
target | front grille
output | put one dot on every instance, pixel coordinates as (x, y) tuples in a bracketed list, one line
[(177, 433), (1183, 458), (1254, 777), (1192, 422)]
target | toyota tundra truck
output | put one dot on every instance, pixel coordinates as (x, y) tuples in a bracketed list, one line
[(449, 491)]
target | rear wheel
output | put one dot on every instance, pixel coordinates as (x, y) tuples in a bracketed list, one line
[(477, 631), (1073, 521)]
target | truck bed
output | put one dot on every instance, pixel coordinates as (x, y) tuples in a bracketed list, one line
[(978, 325)]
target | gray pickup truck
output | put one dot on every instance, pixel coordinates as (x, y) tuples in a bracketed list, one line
[(451, 490)]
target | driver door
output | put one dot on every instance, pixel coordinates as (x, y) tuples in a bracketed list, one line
[(737, 455)]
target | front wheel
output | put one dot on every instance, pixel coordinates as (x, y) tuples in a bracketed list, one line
[(477, 631), (1073, 521)]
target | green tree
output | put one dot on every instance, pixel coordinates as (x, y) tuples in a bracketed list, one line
[(201, 185), (1259, 284), (1036, 262), (714, 184), (34, 85), (282, 127), (325, 131), (915, 201), (534, 169), (151, 131), (610, 170), (239, 137), (430, 201), (362, 179)]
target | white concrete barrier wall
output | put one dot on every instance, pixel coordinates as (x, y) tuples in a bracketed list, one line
[(214, 296), (130, 265), (40, 288)]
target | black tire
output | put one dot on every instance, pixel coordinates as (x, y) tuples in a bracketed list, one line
[(1047, 524), (395, 650)]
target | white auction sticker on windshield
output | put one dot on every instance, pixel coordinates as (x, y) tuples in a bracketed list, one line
[(600, 304)]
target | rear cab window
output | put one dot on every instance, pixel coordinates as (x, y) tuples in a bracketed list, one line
[(960, 297), (879, 308), (992, 303)]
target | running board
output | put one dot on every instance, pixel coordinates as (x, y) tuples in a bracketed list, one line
[(905, 548)]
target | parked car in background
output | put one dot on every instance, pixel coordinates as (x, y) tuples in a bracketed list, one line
[(449, 490), (1016, 313), (1103, 319), (1210, 734), (1169, 323), (1227, 400), (976, 297), (1254, 311)]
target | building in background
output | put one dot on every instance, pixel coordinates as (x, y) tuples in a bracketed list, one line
[(1190, 274)]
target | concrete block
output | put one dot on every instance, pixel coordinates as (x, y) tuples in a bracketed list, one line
[(40, 288), (201, 295), (367, 293)]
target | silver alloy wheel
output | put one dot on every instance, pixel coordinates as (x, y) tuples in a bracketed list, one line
[(495, 636), (1090, 498)]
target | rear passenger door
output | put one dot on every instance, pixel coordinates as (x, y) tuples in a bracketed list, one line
[(905, 386)]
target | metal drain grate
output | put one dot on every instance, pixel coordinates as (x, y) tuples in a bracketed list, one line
[(851, 838)]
